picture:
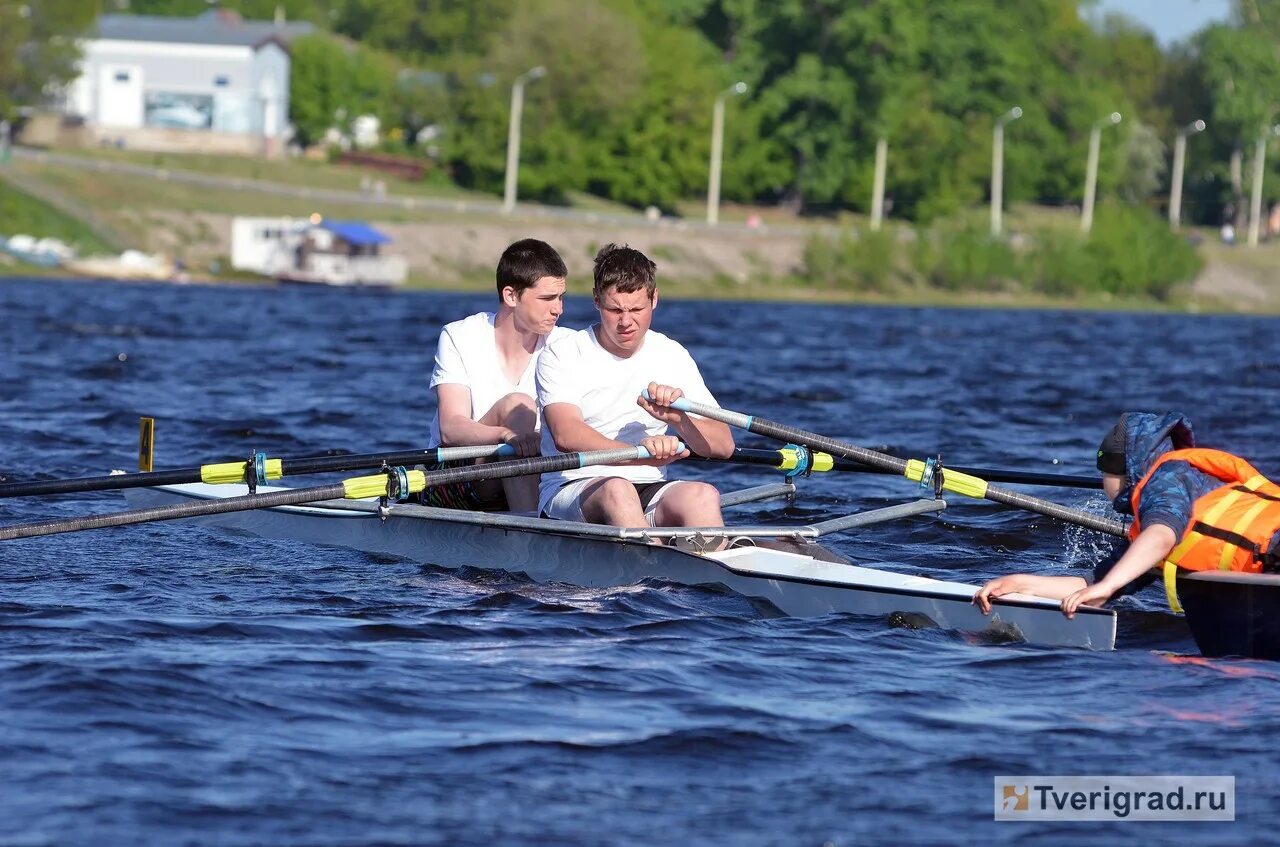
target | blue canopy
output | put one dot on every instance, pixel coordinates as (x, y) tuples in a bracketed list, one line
[(357, 233)]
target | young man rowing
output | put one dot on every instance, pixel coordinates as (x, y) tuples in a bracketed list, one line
[(589, 388), (1193, 508), (483, 375)]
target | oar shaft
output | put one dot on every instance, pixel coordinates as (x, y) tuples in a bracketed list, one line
[(289, 467), (777, 459), (1055, 510), (293, 496), (109, 482), (815, 441), (366, 486)]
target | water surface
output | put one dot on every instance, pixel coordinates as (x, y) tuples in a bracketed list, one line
[(171, 684)]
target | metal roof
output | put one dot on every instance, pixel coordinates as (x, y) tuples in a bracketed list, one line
[(357, 233), (212, 27)]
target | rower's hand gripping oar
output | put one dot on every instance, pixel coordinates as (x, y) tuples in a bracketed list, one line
[(913, 469), (397, 484), (257, 471)]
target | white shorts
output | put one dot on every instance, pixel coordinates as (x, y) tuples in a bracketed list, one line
[(566, 503)]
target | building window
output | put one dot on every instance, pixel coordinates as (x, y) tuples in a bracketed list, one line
[(122, 76), (221, 81)]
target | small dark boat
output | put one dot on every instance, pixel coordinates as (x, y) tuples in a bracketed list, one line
[(1232, 613)]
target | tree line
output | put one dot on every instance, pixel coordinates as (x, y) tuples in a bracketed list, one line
[(624, 111)]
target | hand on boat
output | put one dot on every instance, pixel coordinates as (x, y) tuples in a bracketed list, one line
[(998, 587), (659, 403), (1091, 595), (664, 449)]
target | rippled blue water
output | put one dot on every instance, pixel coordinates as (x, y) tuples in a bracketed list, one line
[(171, 684)]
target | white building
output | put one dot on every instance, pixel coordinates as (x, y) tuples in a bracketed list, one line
[(213, 83)]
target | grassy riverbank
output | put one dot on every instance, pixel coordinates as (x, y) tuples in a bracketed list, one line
[(451, 238), (23, 213)]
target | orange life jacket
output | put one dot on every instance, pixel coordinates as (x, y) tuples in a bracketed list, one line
[(1232, 525)]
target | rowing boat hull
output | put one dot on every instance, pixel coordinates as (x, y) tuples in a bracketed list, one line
[(804, 580)]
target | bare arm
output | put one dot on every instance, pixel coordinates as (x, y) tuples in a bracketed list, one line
[(1147, 550), (456, 427), (572, 434), (1052, 587), (703, 435)]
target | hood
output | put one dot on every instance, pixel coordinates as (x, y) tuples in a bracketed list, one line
[(1149, 436)]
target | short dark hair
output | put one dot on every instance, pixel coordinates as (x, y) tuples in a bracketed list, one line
[(527, 261), (624, 268)]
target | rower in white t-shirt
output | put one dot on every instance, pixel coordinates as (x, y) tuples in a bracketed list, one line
[(484, 375), (589, 386)]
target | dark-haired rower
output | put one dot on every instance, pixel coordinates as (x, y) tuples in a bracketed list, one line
[(483, 375)]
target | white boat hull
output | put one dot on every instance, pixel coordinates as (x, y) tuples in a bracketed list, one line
[(801, 583)]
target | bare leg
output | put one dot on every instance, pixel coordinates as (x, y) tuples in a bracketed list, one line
[(613, 500), (518, 413), (690, 504)]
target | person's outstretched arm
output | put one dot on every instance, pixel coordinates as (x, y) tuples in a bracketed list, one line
[(1052, 587), (1147, 550)]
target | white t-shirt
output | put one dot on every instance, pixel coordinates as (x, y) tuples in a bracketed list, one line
[(467, 355), (604, 387)]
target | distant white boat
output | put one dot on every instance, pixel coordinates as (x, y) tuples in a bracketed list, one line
[(342, 253), (43, 252)]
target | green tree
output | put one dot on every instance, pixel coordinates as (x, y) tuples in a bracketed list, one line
[(425, 32), (1239, 69), (39, 49), (320, 86), (595, 67)]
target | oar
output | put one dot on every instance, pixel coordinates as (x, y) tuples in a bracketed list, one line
[(397, 483), (260, 468), (802, 461), (914, 469)]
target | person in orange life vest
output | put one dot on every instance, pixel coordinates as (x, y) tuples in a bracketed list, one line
[(1193, 508)]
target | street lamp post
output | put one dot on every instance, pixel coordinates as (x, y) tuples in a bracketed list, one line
[(1255, 203), (1179, 160), (997, 167), (717, 146), (877, 184), (513, 136), (1091, 170)]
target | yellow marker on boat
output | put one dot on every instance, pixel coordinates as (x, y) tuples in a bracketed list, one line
[(146, 443)]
